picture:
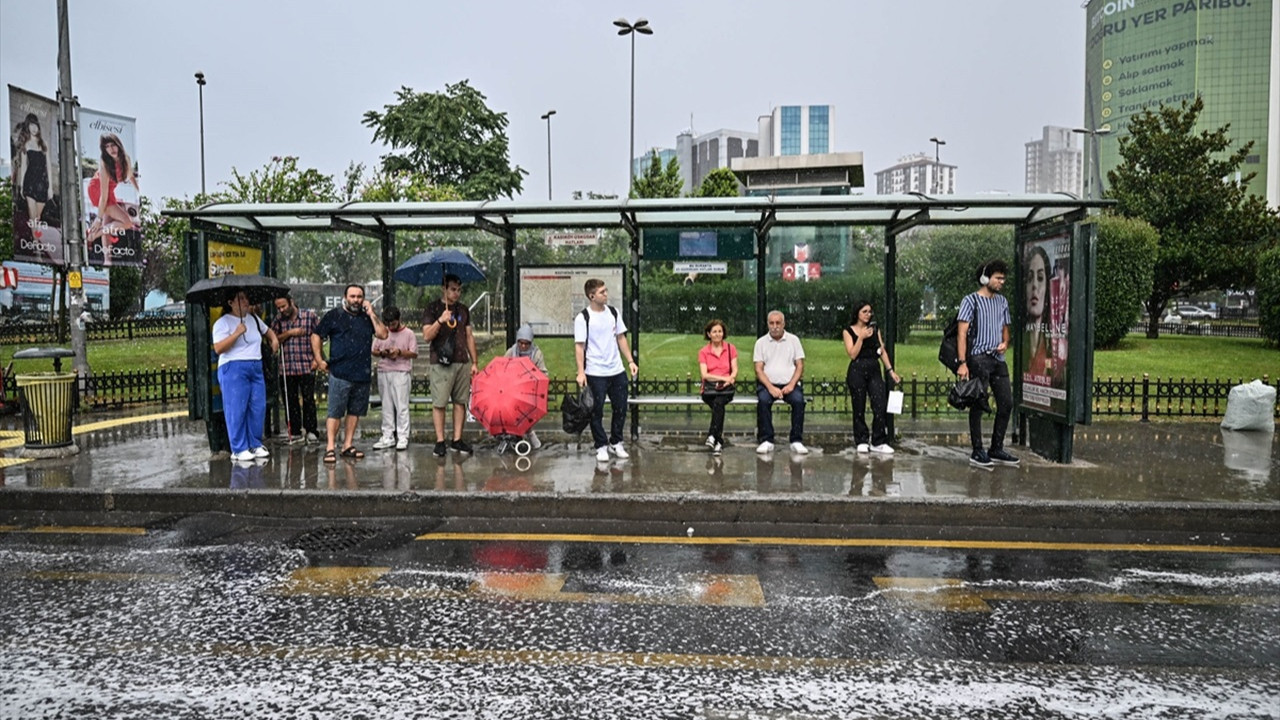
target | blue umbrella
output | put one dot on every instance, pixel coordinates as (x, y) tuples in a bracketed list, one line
[(429, 268)]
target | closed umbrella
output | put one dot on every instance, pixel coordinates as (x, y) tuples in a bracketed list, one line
[(429, 268), (509, 396)]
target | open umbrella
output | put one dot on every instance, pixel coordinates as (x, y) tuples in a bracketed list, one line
[(429, 268), (509, 396), (215, 291)]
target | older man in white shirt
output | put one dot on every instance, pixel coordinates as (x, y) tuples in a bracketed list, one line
[(779, 362)]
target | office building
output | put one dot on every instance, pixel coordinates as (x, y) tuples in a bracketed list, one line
[(640, 165), (700, 155), (1054, 163), (917, 173), (798, 130), (1138, 56)]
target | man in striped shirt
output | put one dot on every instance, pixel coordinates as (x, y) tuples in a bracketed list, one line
[(988, 312)]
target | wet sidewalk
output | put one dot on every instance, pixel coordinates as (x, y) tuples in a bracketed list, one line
[(162, 463)]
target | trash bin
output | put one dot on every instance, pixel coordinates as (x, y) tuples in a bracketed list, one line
[(47, 400)]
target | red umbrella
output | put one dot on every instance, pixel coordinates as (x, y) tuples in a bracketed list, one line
[(509, 396)]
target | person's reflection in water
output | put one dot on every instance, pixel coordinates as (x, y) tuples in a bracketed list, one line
[(882, 483), (764, 473), (715, 468), (795, 464), (459, 479), (247, 475), (397, 471), (348, 481), (607, 478)]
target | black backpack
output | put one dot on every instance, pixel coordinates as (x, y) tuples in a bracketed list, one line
[(949, 351), (586, 317)]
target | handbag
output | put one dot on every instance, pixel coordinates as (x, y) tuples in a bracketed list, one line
[(717, 388), (966, 394)]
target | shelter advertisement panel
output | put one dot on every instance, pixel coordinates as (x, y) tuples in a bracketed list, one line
[(37, 204), (1044, 272), (109, 190), (551, 296)]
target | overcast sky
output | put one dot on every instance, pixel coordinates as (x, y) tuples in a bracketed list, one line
[(294, 77)]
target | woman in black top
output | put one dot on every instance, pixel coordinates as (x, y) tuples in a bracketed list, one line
[(866, 350), (34, 166)]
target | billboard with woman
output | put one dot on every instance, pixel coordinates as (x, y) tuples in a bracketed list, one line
[(109, 179), (33, 152), (1045, 275)]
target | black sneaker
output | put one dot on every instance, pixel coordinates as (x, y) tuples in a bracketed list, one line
[(441, 450), (979, 459), (461, 446), (1000, 457)]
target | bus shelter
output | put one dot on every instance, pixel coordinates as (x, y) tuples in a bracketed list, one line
[(243, 238)]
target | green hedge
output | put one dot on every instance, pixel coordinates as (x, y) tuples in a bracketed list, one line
[(1126, 256), (817, 309), (1269, 294)]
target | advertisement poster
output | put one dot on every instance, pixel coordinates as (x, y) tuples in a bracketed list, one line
[(33, 155), (1045, 273), (109, 186)]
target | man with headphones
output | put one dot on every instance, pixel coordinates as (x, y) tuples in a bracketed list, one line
[(988, 312)]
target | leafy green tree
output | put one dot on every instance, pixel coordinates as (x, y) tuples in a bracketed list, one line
[(1126, 258), (720, 182), (1269, 294), (126, 284), (947, 259), (280, 181), (657, 181), (6, 218), (450, 138), (1185, 184)]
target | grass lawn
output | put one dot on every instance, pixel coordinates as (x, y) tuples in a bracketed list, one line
[(666, 356)]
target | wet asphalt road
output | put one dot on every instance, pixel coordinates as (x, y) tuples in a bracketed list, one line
[(217, 616)]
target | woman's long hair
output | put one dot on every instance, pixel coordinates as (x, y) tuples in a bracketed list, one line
[(24, 133), (1045, 302), (113, 172)]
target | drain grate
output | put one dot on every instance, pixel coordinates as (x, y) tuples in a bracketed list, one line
[(332, 539)]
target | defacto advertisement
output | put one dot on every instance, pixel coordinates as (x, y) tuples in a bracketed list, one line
[(1144, 53), (33, 153), (109, 186), (1045, 276)]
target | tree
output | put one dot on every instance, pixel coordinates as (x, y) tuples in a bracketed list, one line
[(947, 259), (1269, 294), (1126, 258), (657, 181), (1185, 184), (6, 218), (451, 138), (720, 182)]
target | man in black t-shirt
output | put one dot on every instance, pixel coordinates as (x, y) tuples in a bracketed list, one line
[(446, 326), (350, 330)]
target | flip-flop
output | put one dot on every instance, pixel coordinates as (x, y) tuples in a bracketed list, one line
[(330, 456), (352, 452)]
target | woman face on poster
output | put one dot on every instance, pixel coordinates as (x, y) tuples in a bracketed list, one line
[(1037, 286)]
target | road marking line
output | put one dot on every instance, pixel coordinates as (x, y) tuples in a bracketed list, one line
[(10, 462), (81, 530), (108, 424), (102, 576), (846, 542), (954, 595), (11, 439)]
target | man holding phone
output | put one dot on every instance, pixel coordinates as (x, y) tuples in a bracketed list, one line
[(350, 330)]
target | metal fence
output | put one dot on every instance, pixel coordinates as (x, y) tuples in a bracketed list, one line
[(34, 333)]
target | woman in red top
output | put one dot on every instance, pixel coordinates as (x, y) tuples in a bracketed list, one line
[(114, 170), (718, 362)]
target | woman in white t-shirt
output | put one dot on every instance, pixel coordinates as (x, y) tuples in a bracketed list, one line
[(237, 339)]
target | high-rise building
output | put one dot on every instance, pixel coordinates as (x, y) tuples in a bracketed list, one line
[(798, 130), (640, 165), (1054, 163), (917, 173), (1138, 56), (700, 155)]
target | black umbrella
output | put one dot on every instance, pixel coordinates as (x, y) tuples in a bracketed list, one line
[(216, 291)]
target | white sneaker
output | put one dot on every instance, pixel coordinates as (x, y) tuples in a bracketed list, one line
[(764, 448), (402, 445), (261, 452), (384, 444), (711, 442), (243, 456), (602, 454), (863, 447), (620, 451), (882, 449), (798, 448), (717, 449), (313, 439)]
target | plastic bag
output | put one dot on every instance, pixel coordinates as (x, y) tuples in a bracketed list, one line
[(1251, 406), (894, 403), (576, 410), (967, 394)]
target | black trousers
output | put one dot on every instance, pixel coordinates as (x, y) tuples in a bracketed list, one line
[(863, 379), (717, 404), (300, 403), (996, 374)]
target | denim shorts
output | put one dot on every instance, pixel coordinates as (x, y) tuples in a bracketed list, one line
[(347, 398)]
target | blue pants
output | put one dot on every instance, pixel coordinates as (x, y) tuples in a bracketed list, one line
[(244, 402), (764, 413), (615, 387)]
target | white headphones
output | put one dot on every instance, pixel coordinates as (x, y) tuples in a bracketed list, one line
[(984, 278)]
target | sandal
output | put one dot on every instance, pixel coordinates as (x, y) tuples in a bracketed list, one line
[(353, 453), (330, 456)]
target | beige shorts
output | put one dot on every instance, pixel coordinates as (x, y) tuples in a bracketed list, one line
[(450, 383)]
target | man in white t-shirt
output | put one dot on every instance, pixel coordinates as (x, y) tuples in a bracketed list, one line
[(600, 342), (779, 361)]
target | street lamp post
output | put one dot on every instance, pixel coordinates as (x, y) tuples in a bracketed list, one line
[(1091, 147), (547, 117), (936, 147), (937, 171), (200, 82), (640, 26)]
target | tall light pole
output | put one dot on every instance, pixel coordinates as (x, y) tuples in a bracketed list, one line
[(200, 82), (640, 26), (937, 171), (936, 148), (547, 117), (1090, 148)]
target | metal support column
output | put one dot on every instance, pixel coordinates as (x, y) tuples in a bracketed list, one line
[(890, 328)]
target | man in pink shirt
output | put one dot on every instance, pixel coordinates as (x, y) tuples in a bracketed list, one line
[(395, 373)]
